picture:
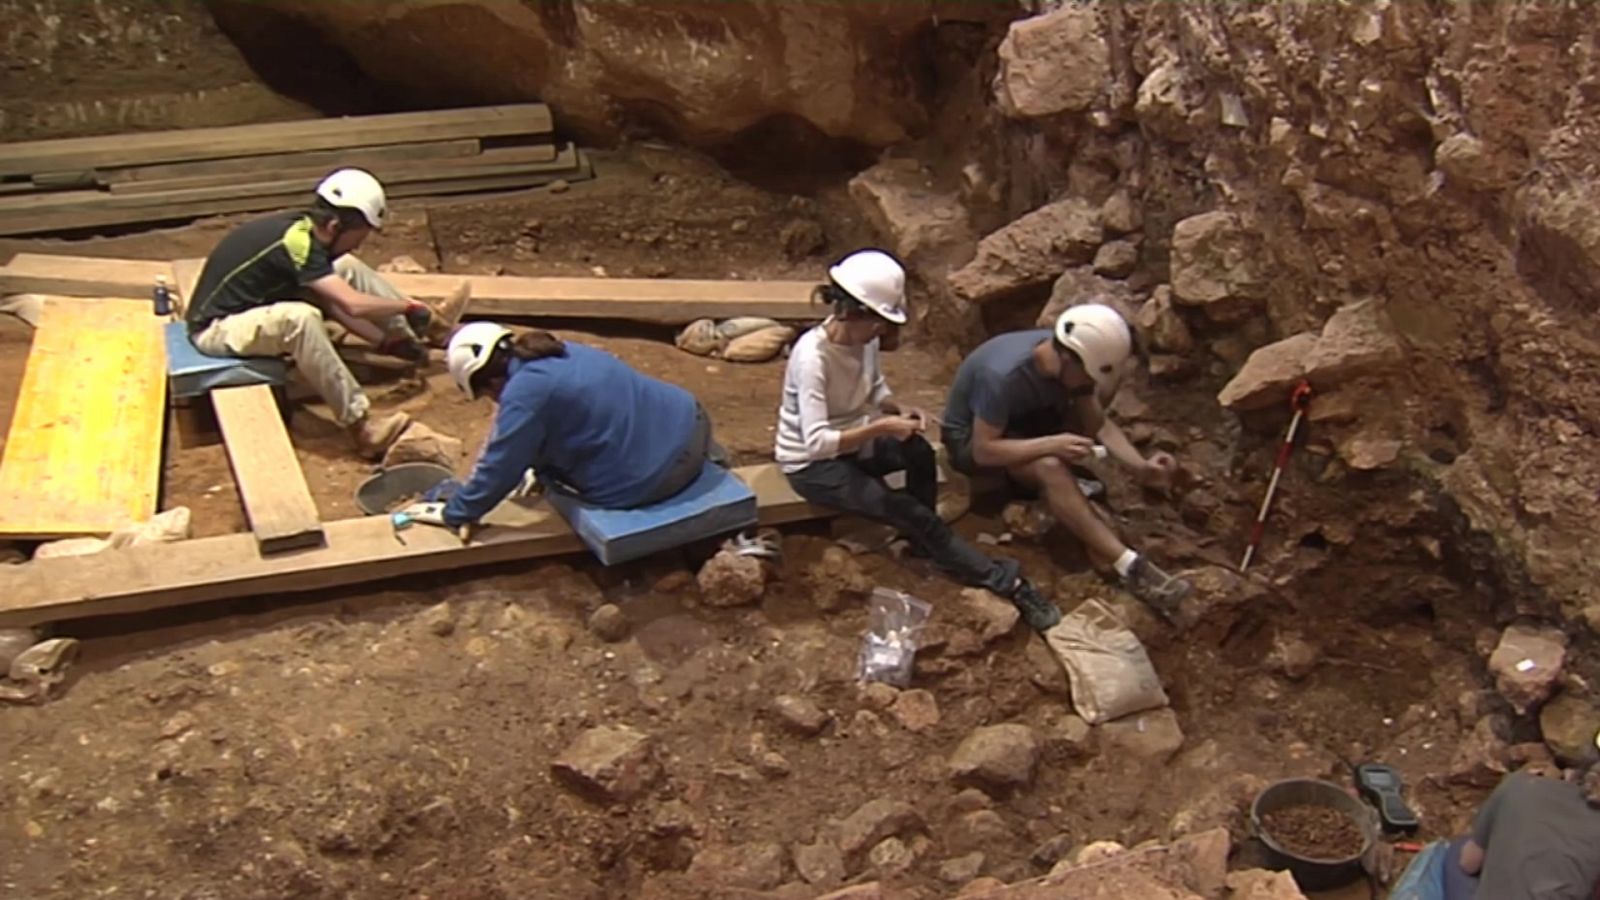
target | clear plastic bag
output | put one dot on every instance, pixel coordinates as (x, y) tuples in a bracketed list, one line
[(894, 627)]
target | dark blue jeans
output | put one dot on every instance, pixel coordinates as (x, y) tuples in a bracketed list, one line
[(855, 484)]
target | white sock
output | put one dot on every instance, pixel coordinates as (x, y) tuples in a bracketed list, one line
[(1124, 562)]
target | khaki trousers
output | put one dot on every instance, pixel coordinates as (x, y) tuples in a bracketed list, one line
[(295, 328)]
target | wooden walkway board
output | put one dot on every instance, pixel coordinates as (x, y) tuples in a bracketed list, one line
[(271, 485), (672, 301), (82, 276), (138, 579), (84, 452)]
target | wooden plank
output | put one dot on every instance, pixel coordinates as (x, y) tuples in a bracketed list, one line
[(672, 301), (664, 300), (271, 485), (139, 579), (84, 452), (256, 164), (500, 161), (83, 276), (65, 210), (30, 157)]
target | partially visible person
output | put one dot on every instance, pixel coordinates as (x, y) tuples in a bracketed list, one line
[(269, 285), (585, 422), (1031, 405), (840, 431), (1534, 839)]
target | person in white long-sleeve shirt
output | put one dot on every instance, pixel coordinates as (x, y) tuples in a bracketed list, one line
[(840, 431)]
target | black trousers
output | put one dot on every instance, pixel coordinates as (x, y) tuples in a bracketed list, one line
[(855, 484)]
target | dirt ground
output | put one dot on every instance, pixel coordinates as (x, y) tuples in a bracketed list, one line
[(397, 740)]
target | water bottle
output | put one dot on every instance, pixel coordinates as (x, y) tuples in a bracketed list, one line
[(162, 297)]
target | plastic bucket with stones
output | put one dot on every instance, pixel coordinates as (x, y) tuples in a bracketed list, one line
[(1312, 873), (380, 492)]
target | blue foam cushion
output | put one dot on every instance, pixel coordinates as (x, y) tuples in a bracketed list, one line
[(715, 503), (192, 373)]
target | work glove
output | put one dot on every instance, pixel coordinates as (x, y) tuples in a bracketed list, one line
[(418, 316), (429, 513), (404, 346)]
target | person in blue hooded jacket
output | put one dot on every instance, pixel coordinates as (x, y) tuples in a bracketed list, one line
[(582, 420)]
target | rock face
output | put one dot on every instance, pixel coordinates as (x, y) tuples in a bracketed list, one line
[(1358, 340), (1000, 756), (610, 763), (1030, 251), (706, 72), (1526, 663), (1217, 265), (918, 221), (1053, 63)]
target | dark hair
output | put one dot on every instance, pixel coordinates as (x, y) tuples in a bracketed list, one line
[(527, 346), (323, 212)]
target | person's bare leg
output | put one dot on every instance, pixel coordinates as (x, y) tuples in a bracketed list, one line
[(1052, 478)]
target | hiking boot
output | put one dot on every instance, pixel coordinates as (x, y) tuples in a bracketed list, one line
[(1161, 592), (448, 314), (374, 436), (1039, 613)]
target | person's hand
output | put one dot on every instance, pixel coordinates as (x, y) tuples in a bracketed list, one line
[(418, 316), (899, 427), (1159, 470), (918, 413), (1072, 447), (428, 512)]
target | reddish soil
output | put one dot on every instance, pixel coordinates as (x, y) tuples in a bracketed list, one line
[(352, 745), (1314, 832)]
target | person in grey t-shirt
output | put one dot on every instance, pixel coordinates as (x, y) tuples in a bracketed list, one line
[(1025, 403), (1534, 839)]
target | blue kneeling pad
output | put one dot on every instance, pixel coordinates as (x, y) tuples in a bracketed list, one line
[(191, 373), (715, 503)]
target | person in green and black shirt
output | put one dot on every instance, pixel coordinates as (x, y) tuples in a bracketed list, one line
[(268, 285)]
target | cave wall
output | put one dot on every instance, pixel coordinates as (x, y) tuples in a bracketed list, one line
[(1425, 168), (70, 68)]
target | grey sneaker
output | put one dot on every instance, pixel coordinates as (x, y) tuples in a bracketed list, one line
[(1039, 613), (1160, 591)]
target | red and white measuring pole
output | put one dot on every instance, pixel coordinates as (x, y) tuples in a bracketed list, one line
[(1299, 399)]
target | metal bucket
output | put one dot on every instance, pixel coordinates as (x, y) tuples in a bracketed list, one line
[(1310, 873), (378, 493)]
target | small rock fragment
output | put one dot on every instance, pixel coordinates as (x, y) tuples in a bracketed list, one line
[(916, 710), (978, 887), (608, 623), (799, 714), (890, 857), (440, 619), (1526, 663), (754, 867), (837, 580), (1116, 259), (729, 580), (1152, 735), (873, 821), (877, 695), (419, 443), (1568, 723), (961, 869), (613, 763), (998, 756), (1293, 655), (1483, 756), (1052, 851)]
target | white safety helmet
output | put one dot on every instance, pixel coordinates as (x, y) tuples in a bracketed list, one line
[(876, 279), (1099, 336), (355, 189), (470, 349)]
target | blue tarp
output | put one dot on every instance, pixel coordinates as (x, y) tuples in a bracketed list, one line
[(191, 373)]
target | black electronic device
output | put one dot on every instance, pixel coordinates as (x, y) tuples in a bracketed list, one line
[(1380, 786)]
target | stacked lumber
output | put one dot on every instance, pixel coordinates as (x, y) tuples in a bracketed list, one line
[(166, 175)]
